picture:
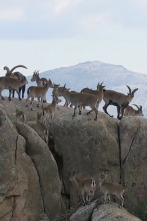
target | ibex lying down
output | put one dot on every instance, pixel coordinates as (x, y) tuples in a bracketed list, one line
[(86, 187), (40, 127), (119, 100), (130, 111), (111, 188), (18, 76), (81, 99), (11, 84), (38, 92), (20, 115)]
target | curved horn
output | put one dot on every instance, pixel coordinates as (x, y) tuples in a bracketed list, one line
[(7, 69), (18, 66), (129, 89), (136, 106), (37, 72), (140, 107), (101, 83), (64, 85), (133, 92)]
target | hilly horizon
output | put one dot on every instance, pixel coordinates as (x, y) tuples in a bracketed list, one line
[(90, 73)]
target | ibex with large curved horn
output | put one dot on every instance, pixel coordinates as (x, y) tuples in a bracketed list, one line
[(118, 99), (18, 76), (11, 84)]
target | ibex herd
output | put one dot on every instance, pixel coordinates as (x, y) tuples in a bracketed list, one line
[(87, 97), (15, 81)]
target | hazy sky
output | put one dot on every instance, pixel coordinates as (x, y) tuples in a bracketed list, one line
[(48, 34)]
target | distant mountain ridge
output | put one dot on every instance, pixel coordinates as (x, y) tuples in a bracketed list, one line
[(90, 73)]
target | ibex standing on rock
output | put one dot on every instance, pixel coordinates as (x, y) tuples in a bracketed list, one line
[(18, 76), (11, 84), (39, 81), (49, 110), (119, 100), (81, 99), (86, 186), (111, 188), (38, 92)]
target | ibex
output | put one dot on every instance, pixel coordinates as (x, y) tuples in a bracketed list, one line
[(130, 111), (20, 115), (117, 99), (40, 127), (49, 110), (111, 188), (62, 94), (17, 75), (11, 84), (38, 92), (81, 99), (98, 93), (55, 92), (86, 187), (39, 81)]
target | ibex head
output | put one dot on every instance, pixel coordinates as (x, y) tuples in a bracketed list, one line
[(139, 110), (35, 75), (131, 93)]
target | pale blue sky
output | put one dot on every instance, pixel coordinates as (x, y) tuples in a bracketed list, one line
[(48, 34)]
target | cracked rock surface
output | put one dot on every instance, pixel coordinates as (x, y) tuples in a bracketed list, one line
[(35, 178)]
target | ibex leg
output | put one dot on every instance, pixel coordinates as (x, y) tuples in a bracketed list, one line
[(105, 109)]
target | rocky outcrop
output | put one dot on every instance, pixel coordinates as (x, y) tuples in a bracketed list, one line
[(86, 145), (111, 212), (46, 168), (78, 144), (20, 197), (30, 184), (133, 140)]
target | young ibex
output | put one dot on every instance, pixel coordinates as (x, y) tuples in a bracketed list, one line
[(20, 115), (130, 111), (62, 94), (118, 99), (49, 110), (98, 93), (86, 187), (38, 92), (39, 81), (81, 99), (111, 188), (18, 76), (40, 127), (11, 84)]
